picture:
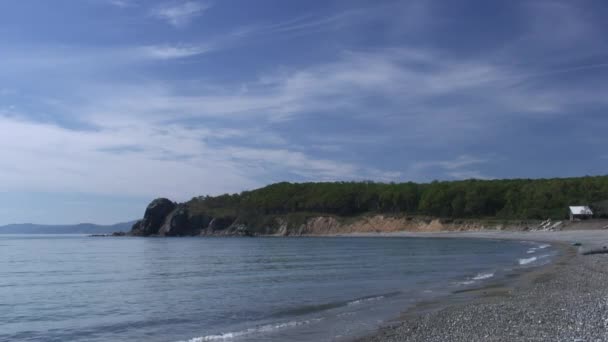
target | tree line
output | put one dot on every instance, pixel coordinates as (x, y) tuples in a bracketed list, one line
[(508, 199)]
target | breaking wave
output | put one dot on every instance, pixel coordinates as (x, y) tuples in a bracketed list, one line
[(482, 276), (479, 276), (534, 249), (363, 300), (525, 261)]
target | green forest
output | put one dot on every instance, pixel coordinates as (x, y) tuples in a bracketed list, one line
[(505, 199)]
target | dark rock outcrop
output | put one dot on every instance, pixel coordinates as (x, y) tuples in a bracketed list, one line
[(219, 226), (154, 217), (177, 223), (220, 223), (241, 230)]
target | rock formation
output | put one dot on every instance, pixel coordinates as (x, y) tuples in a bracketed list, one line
[(154, 217), (166, 218), (177, 223)]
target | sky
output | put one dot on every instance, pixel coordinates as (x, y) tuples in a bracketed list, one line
[(108, 104)]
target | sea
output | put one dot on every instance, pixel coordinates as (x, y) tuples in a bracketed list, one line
[(79, 288)]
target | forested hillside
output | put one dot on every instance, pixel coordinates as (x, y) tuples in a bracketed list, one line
[(508, 199)]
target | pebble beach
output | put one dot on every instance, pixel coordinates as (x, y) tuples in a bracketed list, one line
[(564, 301)]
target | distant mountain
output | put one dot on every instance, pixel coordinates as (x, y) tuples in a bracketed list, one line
[(82, 228)]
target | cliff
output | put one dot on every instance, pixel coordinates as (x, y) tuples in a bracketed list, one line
[(344, 207), (166, 218)]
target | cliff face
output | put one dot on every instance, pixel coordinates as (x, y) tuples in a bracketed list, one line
[(328, 225), (165, 218)]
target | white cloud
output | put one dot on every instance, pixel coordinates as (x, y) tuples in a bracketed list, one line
[(180, 14), (173, 52), (147, 159)]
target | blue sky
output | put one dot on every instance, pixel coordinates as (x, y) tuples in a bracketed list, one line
[(107, 104)]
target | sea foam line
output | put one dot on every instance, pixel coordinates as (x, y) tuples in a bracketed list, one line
[(261, 329), (525, 261), (359, 301), (482, 276), (534, 249), (479, 276)]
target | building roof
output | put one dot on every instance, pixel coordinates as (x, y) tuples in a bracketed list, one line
[(580, 210)]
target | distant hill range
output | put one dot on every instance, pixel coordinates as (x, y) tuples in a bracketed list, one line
[(81, 228)]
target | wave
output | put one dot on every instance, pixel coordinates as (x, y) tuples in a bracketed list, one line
[(363, 300), (261, 329), (482, 276), (308, 309), (466, 282), (479, 276), (525, 261), (535, 249)]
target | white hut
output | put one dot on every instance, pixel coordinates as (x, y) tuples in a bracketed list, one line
[(580, 212)]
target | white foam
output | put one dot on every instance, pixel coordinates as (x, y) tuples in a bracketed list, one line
[(482, 276), (526, 261), (264, 329), (466, 282), (535, 249), (359, 301), (479, 276)]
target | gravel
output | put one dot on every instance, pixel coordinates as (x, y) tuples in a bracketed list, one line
[(566, 301)]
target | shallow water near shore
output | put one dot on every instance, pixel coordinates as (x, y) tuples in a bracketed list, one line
[(77, 288)]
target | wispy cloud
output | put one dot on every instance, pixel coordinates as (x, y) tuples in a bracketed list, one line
[(135, 158), (180, 13), (174, 51), (122, 3), (460, 167), (158, 132), (461, 162)]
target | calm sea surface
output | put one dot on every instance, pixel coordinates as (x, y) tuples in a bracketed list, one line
[(77, 288)]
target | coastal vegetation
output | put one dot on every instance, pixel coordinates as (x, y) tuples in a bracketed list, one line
[(505, 199)]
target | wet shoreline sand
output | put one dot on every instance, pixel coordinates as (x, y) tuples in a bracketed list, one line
[(566, 300)]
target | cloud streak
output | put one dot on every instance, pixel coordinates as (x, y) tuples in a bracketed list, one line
[(156, 125), (103, 161), (180, 13)]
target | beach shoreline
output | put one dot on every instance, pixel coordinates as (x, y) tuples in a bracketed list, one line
[(564, 300)]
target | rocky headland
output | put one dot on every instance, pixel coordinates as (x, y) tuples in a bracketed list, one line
[(325, 208), (164, 217)]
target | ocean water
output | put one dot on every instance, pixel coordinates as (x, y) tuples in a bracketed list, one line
[(78, 288)]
